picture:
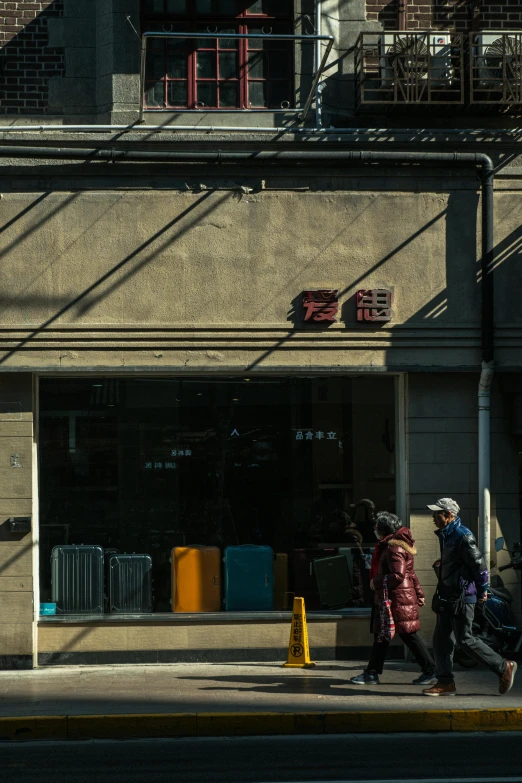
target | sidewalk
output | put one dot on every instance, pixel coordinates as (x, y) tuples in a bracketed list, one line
[(220, 699)]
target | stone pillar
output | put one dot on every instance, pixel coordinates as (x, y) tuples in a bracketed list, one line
[(16, 549), (102, 62), (117, 61), (345, 20)]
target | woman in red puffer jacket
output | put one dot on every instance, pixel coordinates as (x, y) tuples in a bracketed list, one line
[(393, 560)]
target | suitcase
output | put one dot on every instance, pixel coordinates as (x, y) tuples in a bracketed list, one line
[(281, 595), (196, 579), (304, 580), (347, 552), (77, 579), (249, 578), (130, 584), (107, 554), (333, 581)]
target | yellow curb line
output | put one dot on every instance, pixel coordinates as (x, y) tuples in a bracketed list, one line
[(220, 724)]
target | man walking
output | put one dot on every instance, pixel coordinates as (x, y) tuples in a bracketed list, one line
[(463, 580)]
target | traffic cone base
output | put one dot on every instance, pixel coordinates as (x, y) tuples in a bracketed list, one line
[(308, 665)]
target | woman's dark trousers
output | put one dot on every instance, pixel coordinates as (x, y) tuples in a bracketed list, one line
[(413, 642)]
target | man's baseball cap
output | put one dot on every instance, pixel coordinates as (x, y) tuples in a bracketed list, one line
[(446, 504)]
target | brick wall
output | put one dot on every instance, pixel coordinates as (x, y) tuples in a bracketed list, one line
[(459, 15), (26, 62)]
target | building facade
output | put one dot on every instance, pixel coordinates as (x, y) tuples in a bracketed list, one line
[(233, 314)]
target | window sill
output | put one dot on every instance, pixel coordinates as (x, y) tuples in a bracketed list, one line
[(203, 617)]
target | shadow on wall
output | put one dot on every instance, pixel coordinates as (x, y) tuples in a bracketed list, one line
[(26, 62), (111, 280)]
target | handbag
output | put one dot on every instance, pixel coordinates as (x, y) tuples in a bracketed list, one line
[(450, 607), (387, 625)]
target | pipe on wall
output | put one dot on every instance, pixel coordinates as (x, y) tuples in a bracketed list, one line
[(484, 459), (414, 133), (318, 59), (336, 158), (403, 15)]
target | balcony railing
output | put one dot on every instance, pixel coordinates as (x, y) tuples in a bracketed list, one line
[(410, 68), (495, 62)]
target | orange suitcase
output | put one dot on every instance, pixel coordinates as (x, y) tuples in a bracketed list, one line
[(281, 596), (196, 579)]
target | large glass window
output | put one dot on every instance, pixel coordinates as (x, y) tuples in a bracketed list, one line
[(218, 73), (146, 465)]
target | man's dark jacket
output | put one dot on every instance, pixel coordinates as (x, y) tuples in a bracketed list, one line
[(461, 563)]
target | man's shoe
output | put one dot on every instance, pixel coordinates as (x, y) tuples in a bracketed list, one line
[(366, 678), (425, 679), (441, 690), (508, 678)]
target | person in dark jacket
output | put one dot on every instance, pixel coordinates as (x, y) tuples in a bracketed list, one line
[(463, 580), (393, 560)]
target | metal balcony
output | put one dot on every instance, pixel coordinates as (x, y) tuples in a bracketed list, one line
[(418, 68), (495, 60)]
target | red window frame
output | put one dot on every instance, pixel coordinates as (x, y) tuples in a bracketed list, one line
[(187, 74)]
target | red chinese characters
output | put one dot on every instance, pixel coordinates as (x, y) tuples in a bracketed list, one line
[(374, 305), (320, 306)]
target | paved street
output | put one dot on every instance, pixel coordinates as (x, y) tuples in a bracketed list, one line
[(268, 760), (234, 688)]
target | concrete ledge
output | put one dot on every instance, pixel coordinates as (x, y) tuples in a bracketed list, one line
[(64, 727)]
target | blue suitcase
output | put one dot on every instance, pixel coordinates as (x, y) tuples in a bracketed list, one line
[(77, 579), (249, 578)]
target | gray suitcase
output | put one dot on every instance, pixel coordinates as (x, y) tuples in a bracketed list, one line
[(77, 579), (130, 584)]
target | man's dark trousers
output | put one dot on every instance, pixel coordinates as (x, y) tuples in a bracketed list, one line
[(457, 630)]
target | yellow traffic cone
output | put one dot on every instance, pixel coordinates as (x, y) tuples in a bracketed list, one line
[(298, 650)]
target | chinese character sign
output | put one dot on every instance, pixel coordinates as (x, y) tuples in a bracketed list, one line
[(374, 305), (320, 306), (315, 435)]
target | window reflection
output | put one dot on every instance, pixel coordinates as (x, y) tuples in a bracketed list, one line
[(147, 465)]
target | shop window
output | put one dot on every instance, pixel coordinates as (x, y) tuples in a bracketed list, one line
[(147, 465), (218, 73)]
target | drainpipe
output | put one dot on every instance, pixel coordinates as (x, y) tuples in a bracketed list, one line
[(403, 15), (337, 158), (484, 459), (486, 375), (318, 62)]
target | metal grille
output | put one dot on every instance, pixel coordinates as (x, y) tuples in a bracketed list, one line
[(409, 68), (496, 67)]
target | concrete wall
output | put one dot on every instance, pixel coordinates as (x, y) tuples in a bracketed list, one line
[(214, 268), (164, 642), (16, 550), (204, 267), (442, 451)]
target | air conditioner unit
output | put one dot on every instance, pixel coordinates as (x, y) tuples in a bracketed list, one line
[(411, 57), (496, 50)]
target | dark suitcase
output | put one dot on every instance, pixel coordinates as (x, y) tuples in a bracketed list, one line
[(249, 578), (130, 584), (304, 579), (77, 579), (281, 594), (333, 581), (107, 554)]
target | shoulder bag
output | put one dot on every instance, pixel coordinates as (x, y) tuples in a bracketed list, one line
[(387, 625)]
